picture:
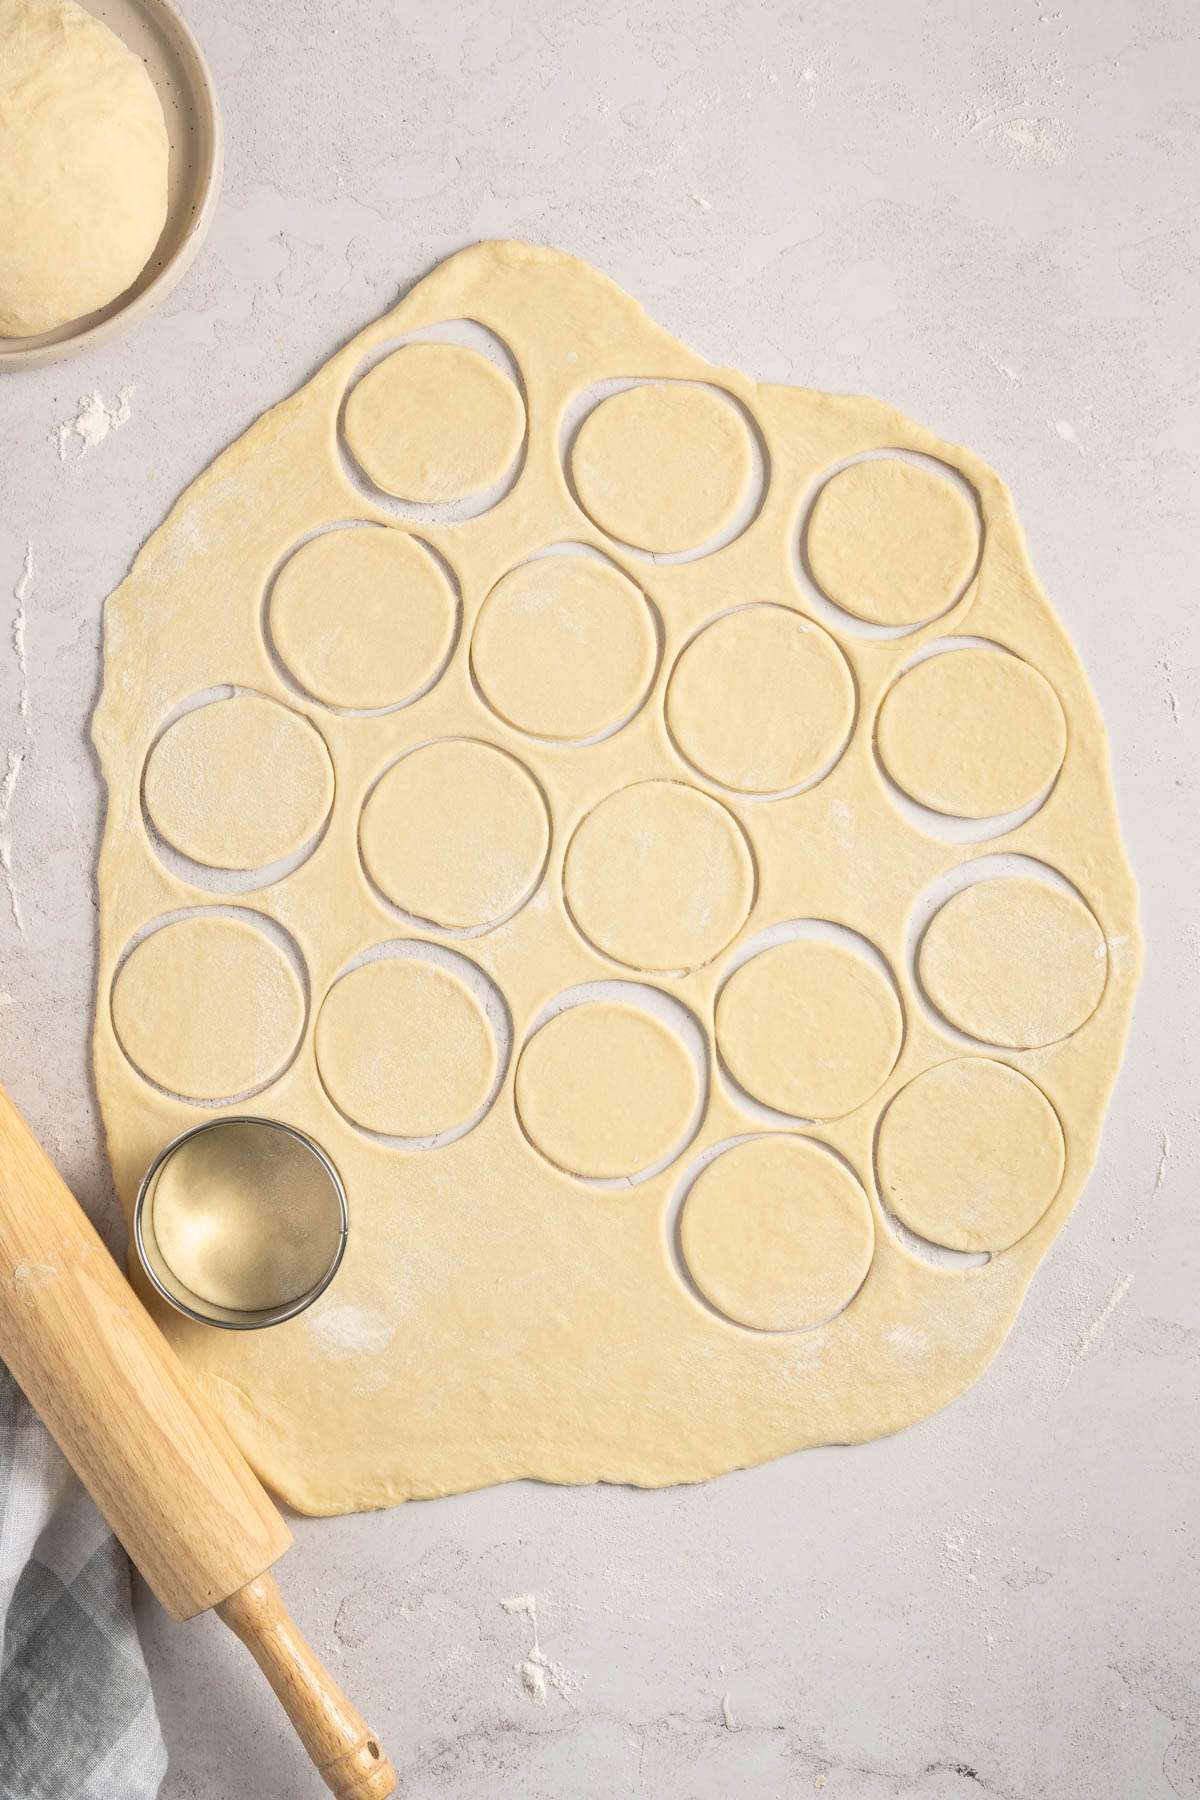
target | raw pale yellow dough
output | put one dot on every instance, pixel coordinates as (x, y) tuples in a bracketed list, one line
[(777, 1234), (970, 1154), (239, 783), (456, 833), (605, 1090), (208, 1007), (1014, 961), (242, 1217), (495, 1316), (404, 1048), (761, 701), (362, 618), (434, 422), (891, 541), (810, 1028), (972, 733), (564, 647), (662, 466), (83, 165)]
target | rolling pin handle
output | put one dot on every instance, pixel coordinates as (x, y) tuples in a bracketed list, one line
[(343, 1747)]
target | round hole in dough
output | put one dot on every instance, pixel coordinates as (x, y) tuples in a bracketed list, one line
[(434, 423), (404, 1048), (83, 166), (604, 1090), (972, 732), (970, 1155), (238, 783), (362, 617), (456, 832), (564, 647), (663, 466), (891, 542), (810, 1028), (659, 876), (777, 1234), (245, 1217), (1015, 962), (761, 700), (208, 1007)]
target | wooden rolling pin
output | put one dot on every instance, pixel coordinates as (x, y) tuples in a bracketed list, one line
[(153, 1454)]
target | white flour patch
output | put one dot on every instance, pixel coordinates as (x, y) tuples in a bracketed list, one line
[(351, 1329), (1091, 1337), (727, 1718), (537, 1669), (1066, 431), (1164, 1143), (20, 618), (93, 422), (8, 787)]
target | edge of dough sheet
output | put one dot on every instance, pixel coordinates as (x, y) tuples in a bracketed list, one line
[(554, 1398)]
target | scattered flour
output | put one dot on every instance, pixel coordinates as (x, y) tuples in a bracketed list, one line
[(1066, 432), (8, 787), (1088, 1341), (536, 1669), (93, 422), (351, 1328), (727, 1718), (20, 617)]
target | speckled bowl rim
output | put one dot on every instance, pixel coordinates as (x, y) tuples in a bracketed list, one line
[(205, 157)]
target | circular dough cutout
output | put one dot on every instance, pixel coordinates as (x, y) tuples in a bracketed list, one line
[(83, 169), (777, 1234), (972, 733), (208, 1007), (891, 542), (659, 876), (564, 647), (604, 1090), (810, 1028), (663, 466), (1015, 962), (239, 783), (404, 1049), (761, 700), (456, 833), (362, 617), (434, 423), (970, 1155)]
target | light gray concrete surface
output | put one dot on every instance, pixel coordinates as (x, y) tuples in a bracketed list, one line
[(984, 212)]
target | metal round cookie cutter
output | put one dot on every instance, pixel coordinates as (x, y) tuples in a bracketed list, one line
[(327, 1189)]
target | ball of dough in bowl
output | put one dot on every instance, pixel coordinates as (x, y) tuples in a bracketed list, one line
[(83, 165)]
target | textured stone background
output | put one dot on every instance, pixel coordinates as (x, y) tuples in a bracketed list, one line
[(985, 212)]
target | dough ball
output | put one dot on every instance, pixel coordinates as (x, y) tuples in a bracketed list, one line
[(891, 542), (83, 165), (972, 733), (777, 1234)]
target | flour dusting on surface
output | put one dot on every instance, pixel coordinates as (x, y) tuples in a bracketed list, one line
[(8, 787), (536, 1669), (1091, 1337), (20, 619), (93, 422), (351, 1328)]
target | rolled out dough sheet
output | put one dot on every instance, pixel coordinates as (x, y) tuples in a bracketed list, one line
[(675, 840)]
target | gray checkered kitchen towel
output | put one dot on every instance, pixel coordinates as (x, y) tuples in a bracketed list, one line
[(77, 1718)]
